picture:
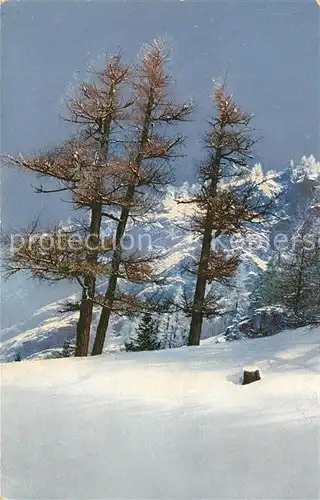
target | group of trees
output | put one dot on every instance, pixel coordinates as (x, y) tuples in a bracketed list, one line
[(292, 277), (292, 281), (114, 168)]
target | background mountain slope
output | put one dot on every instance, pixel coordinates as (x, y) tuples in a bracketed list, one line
[(47, 329)]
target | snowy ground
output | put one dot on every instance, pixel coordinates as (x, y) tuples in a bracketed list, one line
[(172, 424)]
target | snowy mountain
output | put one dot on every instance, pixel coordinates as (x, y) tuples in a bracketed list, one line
[(163, 232), (166, 424)]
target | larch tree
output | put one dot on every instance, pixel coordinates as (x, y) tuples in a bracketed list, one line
[(149, 148), (225, 203), (99, 109), (86, 170), (112, 169)]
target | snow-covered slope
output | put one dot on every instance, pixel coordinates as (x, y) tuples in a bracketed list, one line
[(172, 424)]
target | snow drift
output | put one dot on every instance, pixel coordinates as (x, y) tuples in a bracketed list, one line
[(167, 424)]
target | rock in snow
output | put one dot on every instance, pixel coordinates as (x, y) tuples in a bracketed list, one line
[(250, 376)]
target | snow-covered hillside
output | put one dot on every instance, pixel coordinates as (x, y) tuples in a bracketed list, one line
[(167, 424)]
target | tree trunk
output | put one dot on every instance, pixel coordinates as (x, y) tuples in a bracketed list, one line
[(116, 259), (84, 322), (298, 292), (112, 284), (86, 306), (199, 296)]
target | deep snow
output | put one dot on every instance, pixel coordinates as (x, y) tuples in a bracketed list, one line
[(172, 424)]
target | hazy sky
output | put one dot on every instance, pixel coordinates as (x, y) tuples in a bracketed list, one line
[(270, 51)]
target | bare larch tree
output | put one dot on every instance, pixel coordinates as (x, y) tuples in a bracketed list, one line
[(225, 203), (118, 161), (150, 146), (82, 168)]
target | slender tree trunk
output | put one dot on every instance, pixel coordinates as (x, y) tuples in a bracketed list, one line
[(86, 306), (112, 284), (116, 259), (298, 294), (84, 322), (199, 295)]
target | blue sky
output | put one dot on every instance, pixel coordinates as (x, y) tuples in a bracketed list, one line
[(269, 50)]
